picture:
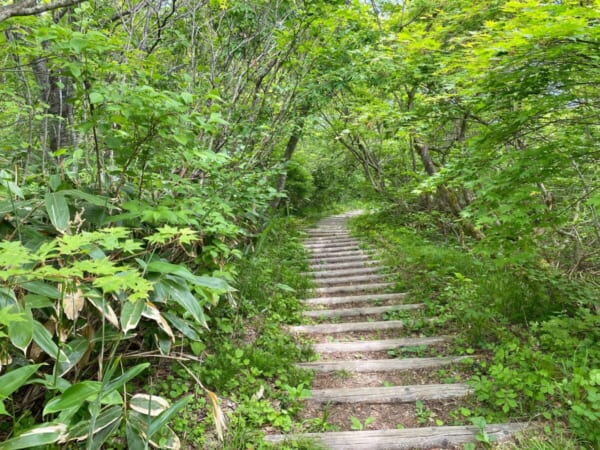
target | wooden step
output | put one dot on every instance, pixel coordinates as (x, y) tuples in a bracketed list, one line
[(342, 272), (350, 279), (344, 264), (338, 224), (392, 394), (354, 299), (330, 241), (336, 259), (375, 346), (328, 233), (329, 236), (353, 288), (327, 255), (335, 251), (331, 245), (381, 365), (335, 254), (326, 328), (405, 439), (350, 312)]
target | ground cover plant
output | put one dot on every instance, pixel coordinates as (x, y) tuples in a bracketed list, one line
[(536, 330), (248, 357), (146, 147)]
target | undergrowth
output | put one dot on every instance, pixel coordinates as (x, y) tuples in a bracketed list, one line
[(538, 330), (247, 357)]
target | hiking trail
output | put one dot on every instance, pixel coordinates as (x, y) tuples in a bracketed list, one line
[(364, 385)]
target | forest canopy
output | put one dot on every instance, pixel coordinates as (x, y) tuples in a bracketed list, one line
[(145, 145)]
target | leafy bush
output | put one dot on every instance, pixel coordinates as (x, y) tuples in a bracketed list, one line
[(299, 185), (539, 329)]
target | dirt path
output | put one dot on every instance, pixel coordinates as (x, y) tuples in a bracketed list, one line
[(369, 387)]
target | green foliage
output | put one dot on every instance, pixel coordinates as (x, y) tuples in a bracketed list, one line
[(299, 185), (140, 159), (246, 356), (538, 329), (356, 424), (133, 177)]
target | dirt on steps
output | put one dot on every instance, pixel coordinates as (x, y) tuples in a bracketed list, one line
[(384, 396)]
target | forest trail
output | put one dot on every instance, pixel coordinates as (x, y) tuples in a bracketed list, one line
[(369, 392)]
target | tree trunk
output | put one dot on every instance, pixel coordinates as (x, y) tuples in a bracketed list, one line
[(290, 148), (56, 92), (448, 198)]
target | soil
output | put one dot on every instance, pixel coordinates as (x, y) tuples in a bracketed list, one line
[(385, 416), (366, 335), (449, 374), (419, 352)]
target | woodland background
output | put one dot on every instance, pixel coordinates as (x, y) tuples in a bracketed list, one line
[(150, 148)]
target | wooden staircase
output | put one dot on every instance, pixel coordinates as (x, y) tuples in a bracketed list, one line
[(353, 286)]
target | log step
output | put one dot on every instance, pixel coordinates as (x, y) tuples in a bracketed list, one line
[(328, 255), (329, 241), (353, 288), (331, 245), (352, 264), (325, 328), (350, 312), (405, 439), (349, 242), (342, 272), (381, 365), (342, 251), (349, 279), (354, 299), (375, 346), (392, 394), (328, 233), (336, 259)]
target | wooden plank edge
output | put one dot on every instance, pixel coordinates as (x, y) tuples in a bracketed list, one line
[(405, 439)]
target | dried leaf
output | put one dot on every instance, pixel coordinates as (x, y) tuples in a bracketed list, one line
[(106, 310), (152, 312), (218, 415), (72, 304), (259, 394)]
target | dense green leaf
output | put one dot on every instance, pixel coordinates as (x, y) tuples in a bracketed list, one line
[(184, 273), (74, 396), (97, 200), (21, 333), (13, 380), (131, 313), (36, 437), (43, 338), (149, 405), (164, 417), (58, 210), (41, 288), (106, 418), (129, 374), (182, 295)]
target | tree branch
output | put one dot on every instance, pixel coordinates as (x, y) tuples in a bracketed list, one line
[(30, 8)]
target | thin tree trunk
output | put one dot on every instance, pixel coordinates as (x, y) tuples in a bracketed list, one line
[(290, 148)]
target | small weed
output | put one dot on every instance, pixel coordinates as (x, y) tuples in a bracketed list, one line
[(411, 351), (343, 374), (356, 424), (482, 435), (321, 424), (424, 415)]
